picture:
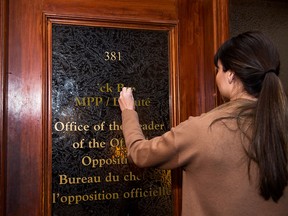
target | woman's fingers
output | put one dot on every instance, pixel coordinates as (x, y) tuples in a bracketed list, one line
[(126, 100)]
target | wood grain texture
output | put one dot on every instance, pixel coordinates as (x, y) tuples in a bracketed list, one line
[(203, 27), (27, 115), (24, 109), (156, 11), (3, 86), (24, 98), (221, 30)]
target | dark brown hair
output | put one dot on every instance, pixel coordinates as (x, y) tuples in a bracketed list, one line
[(255, 61)]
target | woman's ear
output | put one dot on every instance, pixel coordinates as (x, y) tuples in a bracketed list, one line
[(230, 76)]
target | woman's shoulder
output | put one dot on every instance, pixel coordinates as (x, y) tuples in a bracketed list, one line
[(200, 122), (232, 106), (227, 109)]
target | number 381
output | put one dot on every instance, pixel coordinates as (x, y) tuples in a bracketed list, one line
[(112, 56)]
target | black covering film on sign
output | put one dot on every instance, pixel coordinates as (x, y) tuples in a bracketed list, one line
[(90, 172)]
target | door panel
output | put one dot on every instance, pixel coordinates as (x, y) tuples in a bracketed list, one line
[(89, 66)]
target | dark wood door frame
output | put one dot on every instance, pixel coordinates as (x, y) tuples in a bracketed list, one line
[(3, 90)]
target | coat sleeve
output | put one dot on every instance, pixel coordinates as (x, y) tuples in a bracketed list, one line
[(169, 151)]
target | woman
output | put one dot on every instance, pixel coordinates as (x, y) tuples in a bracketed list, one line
[(234, 158)]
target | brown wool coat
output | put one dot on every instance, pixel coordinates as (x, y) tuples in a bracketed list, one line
[(215, 176)]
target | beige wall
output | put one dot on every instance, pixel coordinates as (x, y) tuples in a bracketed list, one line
[(268, 16)]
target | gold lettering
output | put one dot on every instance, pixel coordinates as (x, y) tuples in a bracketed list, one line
[(64, 179), (106, 88), (96, 144), (152, 126), (115, 126), (119, 87), (131, 177), (88, 101), (139, 192), (102, 162), (143, 102), (76, 199), (70, 126), (112, 56)]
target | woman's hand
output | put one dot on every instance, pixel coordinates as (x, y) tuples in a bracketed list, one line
[(126, 100)]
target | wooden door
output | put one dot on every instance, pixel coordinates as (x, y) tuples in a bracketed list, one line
[(198, 28)]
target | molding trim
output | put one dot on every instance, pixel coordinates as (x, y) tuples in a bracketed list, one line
[(3, 109)]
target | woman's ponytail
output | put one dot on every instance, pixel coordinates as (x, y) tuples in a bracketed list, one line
[(270, 137)]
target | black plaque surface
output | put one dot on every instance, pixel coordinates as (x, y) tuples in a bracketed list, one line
[(90, 171)]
